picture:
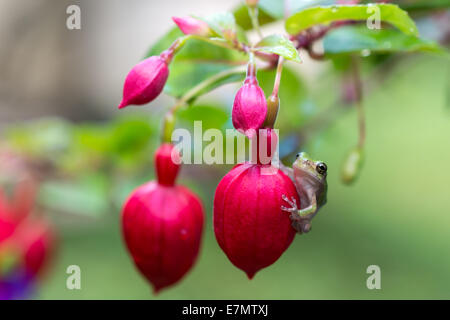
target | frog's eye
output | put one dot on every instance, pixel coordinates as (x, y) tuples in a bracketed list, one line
[(321, 168)]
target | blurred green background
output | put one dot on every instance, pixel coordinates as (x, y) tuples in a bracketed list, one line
[(89, 156), (396, 216)]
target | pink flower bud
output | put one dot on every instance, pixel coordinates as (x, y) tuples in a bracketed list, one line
[(189, 25), (249, 224), (250, 107), (146, 80)]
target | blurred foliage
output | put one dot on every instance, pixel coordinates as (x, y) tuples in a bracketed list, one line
[(395, 216), (389, 13), (360, 40)]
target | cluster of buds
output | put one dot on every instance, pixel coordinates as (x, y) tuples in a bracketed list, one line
[(162, 222), (249, 224)]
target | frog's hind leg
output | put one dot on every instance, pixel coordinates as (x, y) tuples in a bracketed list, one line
[(308, 212)]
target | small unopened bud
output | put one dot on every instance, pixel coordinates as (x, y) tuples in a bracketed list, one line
[(352, 165), (250, 107), (273, 104), (146, 80), (190, 25)]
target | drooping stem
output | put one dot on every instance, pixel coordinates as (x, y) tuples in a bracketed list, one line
[(358, 103), (273, 102), (251, 67), (169, 119), (276, 85)]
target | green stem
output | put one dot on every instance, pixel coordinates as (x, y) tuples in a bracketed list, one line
[(169, 119), (359, 105), (253, 13), (273, 102), (204, 84), (221, 43), (276, 85)]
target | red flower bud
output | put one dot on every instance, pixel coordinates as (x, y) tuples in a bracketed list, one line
[(189, 25), (163, 224), (250, 107), (249, 224), (146, 80)]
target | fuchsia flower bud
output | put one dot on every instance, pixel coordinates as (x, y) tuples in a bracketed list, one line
[(190, 25), (250, 107), (163, 223), (146, 80), (249, 224)]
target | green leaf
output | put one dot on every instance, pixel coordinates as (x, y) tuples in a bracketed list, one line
[(196, 61), (277, 8), (230, 78), (324, 15), (243, 19), (359, 39), (164, 42), (424, 5), (211, 117), (221, 23), (279, 45), (272, 10)]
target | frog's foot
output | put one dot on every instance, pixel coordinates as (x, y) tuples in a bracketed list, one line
[(293, 203), (301, 225)]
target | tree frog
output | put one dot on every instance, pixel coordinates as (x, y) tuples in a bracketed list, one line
[(310, 180)]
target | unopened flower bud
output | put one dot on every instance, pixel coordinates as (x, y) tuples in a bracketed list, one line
[(273, 104), (162, 224), (146, 80), (250, 107), (352, 165), (190, 25)]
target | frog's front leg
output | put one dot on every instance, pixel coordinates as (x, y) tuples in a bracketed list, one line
[(301, 218)]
